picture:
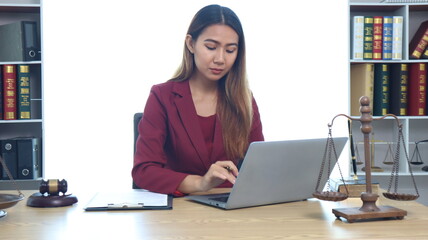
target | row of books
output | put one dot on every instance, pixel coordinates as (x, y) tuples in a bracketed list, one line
[(396, 88), (22, 156), (15, 102), (377, 37)]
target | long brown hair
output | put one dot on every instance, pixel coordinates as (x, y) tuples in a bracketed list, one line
[(234, 107)]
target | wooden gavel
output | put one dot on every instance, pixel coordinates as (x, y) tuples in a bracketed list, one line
[(53, 187)]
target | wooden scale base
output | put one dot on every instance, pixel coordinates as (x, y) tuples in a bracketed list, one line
[(352, 214), (369, 210)]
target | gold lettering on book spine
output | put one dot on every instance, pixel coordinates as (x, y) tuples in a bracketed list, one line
[(25, 115), (10, 115), (388, 20), (24, 68), (10, 69), (398, 20)]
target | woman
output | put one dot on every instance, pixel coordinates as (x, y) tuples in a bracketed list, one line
[(197, 126)]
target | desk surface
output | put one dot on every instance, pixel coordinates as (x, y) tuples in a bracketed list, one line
[(312, 219)]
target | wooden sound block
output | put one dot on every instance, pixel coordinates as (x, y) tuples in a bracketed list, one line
[(40, 200), (352, 214)]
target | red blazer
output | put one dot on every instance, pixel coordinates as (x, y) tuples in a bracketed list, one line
[(171, 144)]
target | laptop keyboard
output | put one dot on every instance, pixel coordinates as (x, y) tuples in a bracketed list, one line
[(219, 199)]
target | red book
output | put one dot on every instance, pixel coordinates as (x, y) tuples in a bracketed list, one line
[(419, 41), (417, 89), (9, 92), (377, 37)]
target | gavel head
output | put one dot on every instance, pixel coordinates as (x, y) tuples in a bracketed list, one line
[(53, 187)]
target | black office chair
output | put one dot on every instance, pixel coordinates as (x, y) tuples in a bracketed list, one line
[(137, 119)]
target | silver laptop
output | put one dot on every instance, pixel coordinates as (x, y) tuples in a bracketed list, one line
[(275, 172)]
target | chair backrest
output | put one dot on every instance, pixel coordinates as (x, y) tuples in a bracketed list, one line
[(137, 119)]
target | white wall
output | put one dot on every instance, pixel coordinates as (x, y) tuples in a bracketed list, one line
[(102, 57)]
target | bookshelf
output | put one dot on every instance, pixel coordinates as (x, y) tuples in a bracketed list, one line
[(385, 131), (25, 10)]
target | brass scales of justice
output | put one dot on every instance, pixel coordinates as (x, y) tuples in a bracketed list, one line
[(369, 210)]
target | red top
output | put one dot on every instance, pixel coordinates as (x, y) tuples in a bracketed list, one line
[(208, 128), (171, 144)]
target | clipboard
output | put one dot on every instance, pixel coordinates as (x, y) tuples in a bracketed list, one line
[(135, 199)]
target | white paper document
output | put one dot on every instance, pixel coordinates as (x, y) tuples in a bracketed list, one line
[(129, 199)]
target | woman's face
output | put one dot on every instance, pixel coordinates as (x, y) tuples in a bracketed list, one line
[(214, 51)]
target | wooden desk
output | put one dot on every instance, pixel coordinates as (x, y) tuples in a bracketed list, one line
[(310, 219)]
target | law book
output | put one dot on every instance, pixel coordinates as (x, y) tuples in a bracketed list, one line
[(28, 157), (387, 38), (353, 188), (381, 89), (19, 41), (398, 89), (8, 152), (358, 38), (425, 54), (362, 80), (419, 41), (397, 37), (377, 37), (368, 38), (9, 92), (23, 98), (417, 89)]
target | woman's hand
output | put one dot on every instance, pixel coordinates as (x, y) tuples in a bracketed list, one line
[(217, 173)]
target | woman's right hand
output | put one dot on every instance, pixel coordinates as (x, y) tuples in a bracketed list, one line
[(217, 173)]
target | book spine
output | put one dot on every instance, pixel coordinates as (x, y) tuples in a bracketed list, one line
[(362, 80), (397, 37), (9, 87), (425, 54), (419, 41), (358, 38), (368, 38), (377, 37), (417, 89), (398, 93), (387, 38), (381, 89), (23, 84)]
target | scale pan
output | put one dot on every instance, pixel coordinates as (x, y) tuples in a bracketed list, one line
[(9, 200), (400, 196), (330, 196), (416, 163)]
